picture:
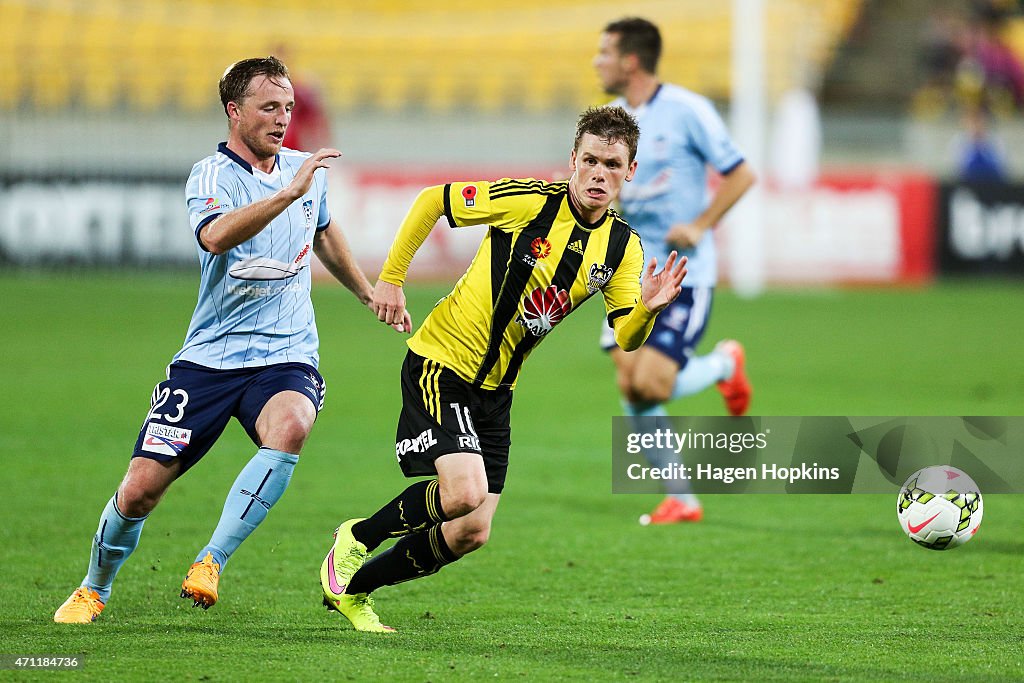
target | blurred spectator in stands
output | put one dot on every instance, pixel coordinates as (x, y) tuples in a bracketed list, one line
[(991, 65), (944, 45), (946, 42), (310, 127), (979, 155)]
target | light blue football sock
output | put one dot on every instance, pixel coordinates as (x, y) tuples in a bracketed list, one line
[(701, 372), (660, 457), (116, 537), (643, 410), (259, 485)]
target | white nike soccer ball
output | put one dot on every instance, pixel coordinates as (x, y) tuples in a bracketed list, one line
[(939, 507)]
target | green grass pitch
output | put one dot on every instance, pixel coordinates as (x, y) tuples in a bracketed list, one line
[(768, 587)]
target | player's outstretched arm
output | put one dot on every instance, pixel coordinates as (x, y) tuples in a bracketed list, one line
[(331, 247), (388, 297), (733, 186), (239, 226)]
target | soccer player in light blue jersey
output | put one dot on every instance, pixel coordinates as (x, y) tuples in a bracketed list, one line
[(259, 212), (669, 205)]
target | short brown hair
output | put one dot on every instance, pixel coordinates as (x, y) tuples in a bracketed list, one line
[(638, 37), (611, 124), (234, 84)]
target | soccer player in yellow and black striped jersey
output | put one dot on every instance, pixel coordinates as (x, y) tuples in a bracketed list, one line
[(549, 248)]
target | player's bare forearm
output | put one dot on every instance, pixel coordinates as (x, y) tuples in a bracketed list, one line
[(236, 227), (732, 187), (241, 225), (331, 247)]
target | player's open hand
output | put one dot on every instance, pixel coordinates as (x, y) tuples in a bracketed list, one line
[(304, 176), (388, 303), (660, 289)]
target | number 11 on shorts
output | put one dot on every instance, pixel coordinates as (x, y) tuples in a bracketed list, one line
[(468, 438)]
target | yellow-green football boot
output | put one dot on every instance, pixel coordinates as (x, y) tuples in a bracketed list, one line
[(345, 558)]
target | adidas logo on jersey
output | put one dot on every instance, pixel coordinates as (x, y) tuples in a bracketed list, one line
[(577, 246)]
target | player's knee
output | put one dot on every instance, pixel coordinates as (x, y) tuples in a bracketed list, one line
[(650, 390), (290, 431), (462, 501), (463, 495), (470, 538), (463, 484), (625, 382), (134, 500)]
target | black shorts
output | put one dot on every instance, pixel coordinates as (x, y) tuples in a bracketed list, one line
[(443, 413), (190, 409)]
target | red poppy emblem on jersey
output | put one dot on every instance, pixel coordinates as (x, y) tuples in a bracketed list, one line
[(469, 194), (544, 308), (540, 248)]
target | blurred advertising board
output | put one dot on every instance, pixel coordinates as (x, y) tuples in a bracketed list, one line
[(847, 228), (981, 229)]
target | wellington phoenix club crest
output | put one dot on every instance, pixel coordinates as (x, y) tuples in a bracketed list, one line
[(600, 274), (543, 308)]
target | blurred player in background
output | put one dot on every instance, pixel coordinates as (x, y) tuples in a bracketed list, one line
[(251, 350), (669, 205), (550, 247), (310, 127)]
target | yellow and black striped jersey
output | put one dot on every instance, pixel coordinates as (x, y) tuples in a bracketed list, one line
[(539, 261)]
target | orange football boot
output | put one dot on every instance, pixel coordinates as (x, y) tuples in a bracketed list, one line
[(672, 510), (736, 390), (81, 608), (200, 583)]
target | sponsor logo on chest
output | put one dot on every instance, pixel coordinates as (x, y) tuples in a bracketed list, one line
[(540, 249), (543, 309)]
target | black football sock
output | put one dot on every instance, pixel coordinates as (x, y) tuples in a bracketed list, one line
[(415, 509), (416, 555)]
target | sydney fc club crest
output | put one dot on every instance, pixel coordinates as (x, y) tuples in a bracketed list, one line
[(600, 274), (543, 308), (307, 213)]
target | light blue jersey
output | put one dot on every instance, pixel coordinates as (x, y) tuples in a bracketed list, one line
[(680, 133), (254, 306)]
